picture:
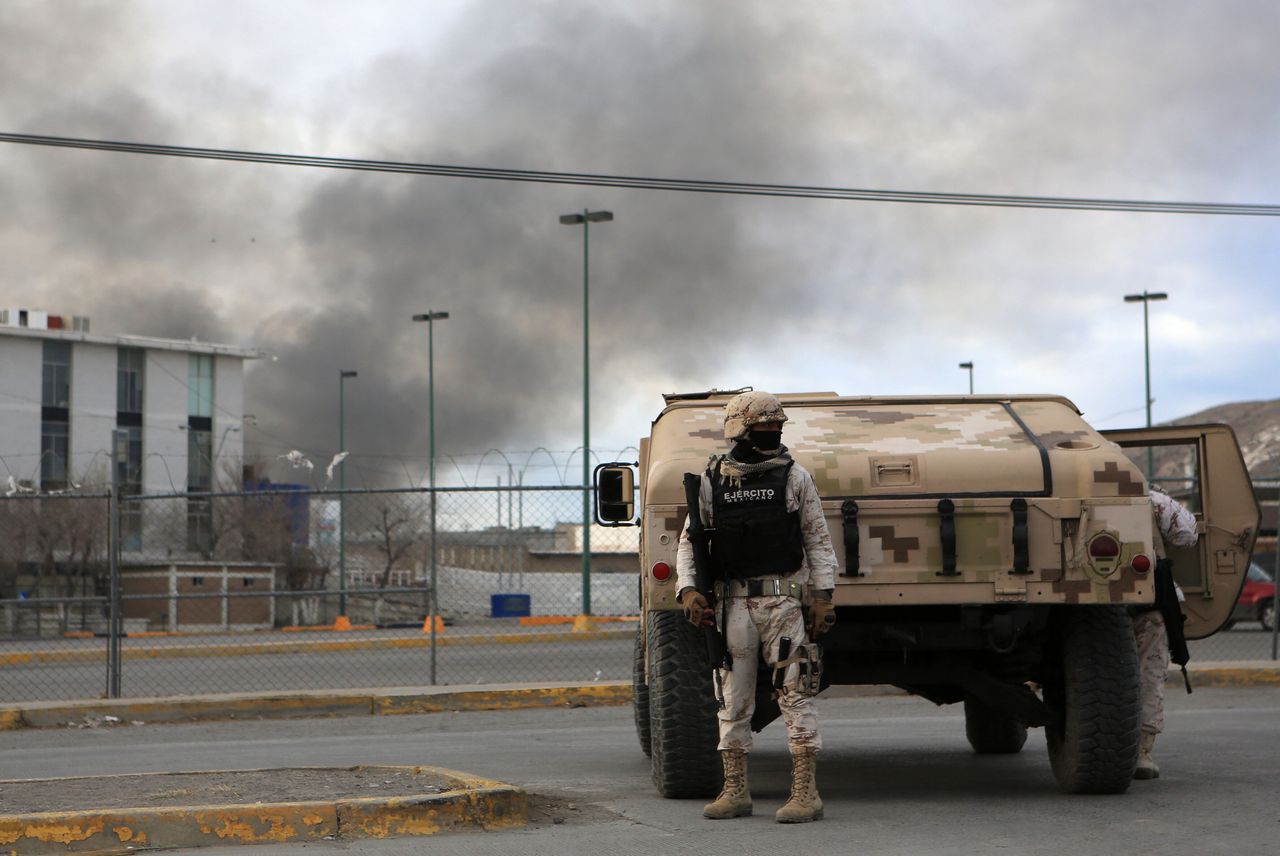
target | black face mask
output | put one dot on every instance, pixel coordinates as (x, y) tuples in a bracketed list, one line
[(765, 441)]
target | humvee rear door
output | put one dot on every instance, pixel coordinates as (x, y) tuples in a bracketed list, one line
[(1201, 466)]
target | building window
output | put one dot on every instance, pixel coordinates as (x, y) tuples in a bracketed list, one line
[(200, 385), (130, 386), (199, 457), (131, 485), (55, 410), (200, 474), (129, 379), (56, 386), (54, 452)]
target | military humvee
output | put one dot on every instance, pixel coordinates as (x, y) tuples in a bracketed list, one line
[(988, 548)]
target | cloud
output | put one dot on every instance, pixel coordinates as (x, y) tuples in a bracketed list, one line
[(1169, 100)]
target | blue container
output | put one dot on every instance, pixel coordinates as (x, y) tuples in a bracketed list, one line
[(508, 605)]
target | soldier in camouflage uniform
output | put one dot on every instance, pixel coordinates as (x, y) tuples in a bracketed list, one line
[(772, 544), (1175, 525)]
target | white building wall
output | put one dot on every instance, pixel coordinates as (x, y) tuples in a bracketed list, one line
[(164, 408), (93, 411), (228, 397), (21, 366)]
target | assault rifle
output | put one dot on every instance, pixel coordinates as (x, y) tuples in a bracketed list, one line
[(700, 539), (1171, 612)]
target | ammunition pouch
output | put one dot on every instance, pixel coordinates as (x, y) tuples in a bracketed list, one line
[(804, 680)]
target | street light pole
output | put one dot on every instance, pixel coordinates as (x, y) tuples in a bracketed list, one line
[(586, 218), (1145, 298), (213, 475), (969, 365), (343, 374), (431, 317)]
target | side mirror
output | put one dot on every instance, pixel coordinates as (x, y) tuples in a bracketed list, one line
[(615, 494)]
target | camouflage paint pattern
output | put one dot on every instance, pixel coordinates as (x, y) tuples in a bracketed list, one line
[(897, 456), (757, 624)]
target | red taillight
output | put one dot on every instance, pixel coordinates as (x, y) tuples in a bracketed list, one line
[(1104, 547), (661, 572), (1140, 564)]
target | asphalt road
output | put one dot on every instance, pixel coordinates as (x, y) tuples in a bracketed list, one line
[(574, 661), (897, 777), (532, 662)]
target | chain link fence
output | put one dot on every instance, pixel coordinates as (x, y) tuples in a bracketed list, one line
[(294, 588)]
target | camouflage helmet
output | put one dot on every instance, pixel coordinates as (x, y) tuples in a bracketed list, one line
[(750, 408)]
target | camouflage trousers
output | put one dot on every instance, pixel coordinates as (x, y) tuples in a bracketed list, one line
[(1153, 667), (753, 624)]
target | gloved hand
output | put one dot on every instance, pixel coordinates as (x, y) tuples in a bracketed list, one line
[(822, 617), (696, 608)]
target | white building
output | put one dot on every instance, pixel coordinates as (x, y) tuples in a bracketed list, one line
[(64, 391)]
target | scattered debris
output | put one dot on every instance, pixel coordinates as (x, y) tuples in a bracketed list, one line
[(337, 459)]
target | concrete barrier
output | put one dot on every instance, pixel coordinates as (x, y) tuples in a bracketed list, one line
[(469, 803)]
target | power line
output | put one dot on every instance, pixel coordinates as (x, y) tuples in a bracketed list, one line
[(791, 191)]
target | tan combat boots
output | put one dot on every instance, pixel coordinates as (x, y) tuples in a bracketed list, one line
[(805, 804), (734, 800), (1147, 768)]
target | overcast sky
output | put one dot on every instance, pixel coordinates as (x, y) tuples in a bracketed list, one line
[(1166, 100)]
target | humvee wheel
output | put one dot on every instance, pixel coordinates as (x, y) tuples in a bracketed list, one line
[(682, 709), (640, 693), (1093, 742), (991, 732)]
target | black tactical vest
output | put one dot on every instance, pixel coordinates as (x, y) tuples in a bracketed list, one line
[(755, 535)]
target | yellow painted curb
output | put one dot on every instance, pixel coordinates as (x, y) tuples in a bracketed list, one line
[(546, 620), (1229, 676), (474, 804), (187, 708), (316, 703), (166, 652), (593, 695)]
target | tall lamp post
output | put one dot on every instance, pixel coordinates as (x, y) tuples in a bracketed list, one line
[(1145, 298), (213, 476), (431, 317), (343, 374), (586, 218), (969, 365)]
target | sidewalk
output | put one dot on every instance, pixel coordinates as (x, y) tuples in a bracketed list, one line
[(298, 804)]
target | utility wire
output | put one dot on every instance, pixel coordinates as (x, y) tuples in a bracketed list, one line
[(792, 191)]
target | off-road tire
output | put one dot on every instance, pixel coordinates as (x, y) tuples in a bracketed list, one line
[(640, 694), (682, 710), (991, 732), (1093, 742)]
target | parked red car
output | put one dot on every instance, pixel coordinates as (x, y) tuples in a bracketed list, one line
[(1257, 600)]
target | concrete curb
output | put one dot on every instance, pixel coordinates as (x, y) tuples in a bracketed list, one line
[(316, 703), (1232, 673), (309, 646), (474, 804)]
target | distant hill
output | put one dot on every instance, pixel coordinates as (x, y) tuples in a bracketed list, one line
[(1257, 427)]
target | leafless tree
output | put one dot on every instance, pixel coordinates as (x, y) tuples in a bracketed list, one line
[(397, 534)]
